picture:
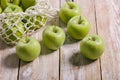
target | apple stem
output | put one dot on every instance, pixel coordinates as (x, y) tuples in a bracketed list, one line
[(80, 20), (93, 39), (54, 29)]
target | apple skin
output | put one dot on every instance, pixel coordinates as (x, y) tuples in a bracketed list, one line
[(9, 1), (16, 2), (17, 30), (53, 37), (92, 46), (0, 10), (28, 3), (28, 51), (13, 9), (4, 3), (69, 11), (76, 29)]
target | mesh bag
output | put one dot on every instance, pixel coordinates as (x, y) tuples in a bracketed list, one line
[(14, 26)]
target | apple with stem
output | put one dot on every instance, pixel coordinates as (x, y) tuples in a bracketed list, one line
[(78, 27), (53, 37), (69, 10), (12, 32), (13, 9), (92, 46), (28, 49)]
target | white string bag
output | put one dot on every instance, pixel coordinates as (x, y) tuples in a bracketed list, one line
[(14, 26)]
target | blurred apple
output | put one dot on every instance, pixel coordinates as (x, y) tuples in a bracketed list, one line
[(13, 9), (69, 10)]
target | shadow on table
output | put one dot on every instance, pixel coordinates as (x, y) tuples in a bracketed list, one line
[(45, 50), (11, 61), (3, 45), (70, 40), (78, 60)]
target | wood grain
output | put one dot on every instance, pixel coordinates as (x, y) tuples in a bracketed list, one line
[(108, 21), (67, 63), (46, 66), (8, 62), (73, 65)]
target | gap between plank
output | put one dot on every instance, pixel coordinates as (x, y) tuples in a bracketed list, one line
[(18, 69), (60, 48), (97, 34), (59, 62), (95, 18)]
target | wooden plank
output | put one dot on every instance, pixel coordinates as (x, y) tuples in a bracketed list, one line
[(8, 62), (73, 65), (108, 21), (46, 66)]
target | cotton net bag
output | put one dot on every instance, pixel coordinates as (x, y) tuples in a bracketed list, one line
[(13, 26)]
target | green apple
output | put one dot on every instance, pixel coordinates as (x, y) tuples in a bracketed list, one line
[(13, 33), (0, 10), (4, 4), (78, 27), (28, 3), (53, 37), (92, 46), (13, 9), (9, 1), (16, 2), (69, 10), (28, 50)]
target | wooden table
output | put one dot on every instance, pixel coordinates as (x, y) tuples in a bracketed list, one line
[(66, 63)]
